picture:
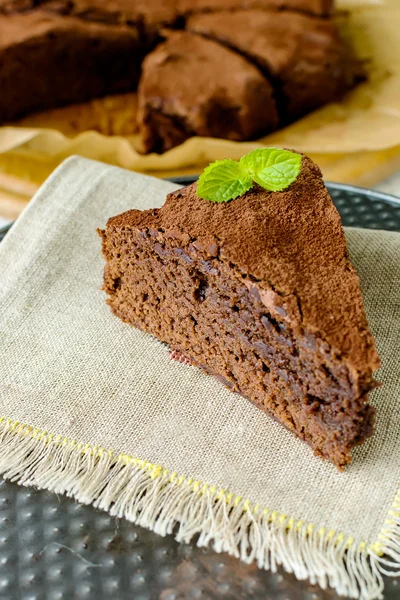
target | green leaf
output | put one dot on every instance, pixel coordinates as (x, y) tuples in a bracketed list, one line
[(272, 168), (223, 180)]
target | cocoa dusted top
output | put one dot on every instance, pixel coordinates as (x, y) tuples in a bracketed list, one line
[(292, 245)]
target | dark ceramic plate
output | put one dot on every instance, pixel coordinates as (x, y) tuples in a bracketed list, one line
[(52, 548)]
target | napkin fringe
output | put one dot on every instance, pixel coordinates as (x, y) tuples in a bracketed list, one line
[(167, 503)]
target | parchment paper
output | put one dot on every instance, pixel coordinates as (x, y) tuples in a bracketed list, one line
[(356, 140)]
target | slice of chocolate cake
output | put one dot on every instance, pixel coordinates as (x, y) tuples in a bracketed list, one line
[(194, 86), (304, 56), (259, 292), (47, 61)]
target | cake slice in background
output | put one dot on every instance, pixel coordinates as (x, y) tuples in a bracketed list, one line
[(194, 86), (48, 60), (303, 56), (259, 292)]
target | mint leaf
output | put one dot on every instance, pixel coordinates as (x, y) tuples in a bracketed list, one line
[(223, 180), (272, 168)]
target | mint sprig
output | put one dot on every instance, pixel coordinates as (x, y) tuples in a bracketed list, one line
[(272, 168)]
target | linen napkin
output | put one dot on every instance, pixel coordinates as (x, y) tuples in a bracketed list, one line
[(93, 408)]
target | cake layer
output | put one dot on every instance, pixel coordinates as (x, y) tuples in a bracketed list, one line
[(47, 61), (194, 86), (202, 307), (259, 292), (304, 56)]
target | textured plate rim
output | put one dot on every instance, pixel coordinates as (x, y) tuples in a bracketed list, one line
[(373, 195)]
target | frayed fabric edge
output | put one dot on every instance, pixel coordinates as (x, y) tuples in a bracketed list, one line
[(168, 503)]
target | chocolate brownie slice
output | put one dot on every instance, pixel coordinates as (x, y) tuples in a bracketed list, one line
[(259, 292), (194, 86), (304, 56), (47, 60)]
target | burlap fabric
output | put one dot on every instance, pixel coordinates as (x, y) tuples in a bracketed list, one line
[(94, 408)]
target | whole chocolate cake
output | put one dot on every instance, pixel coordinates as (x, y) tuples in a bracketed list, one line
[(235, 69), (259, 292)]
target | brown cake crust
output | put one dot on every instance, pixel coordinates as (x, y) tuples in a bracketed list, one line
[(304, 56), (194, 86), (259, 292), (80, 60)]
